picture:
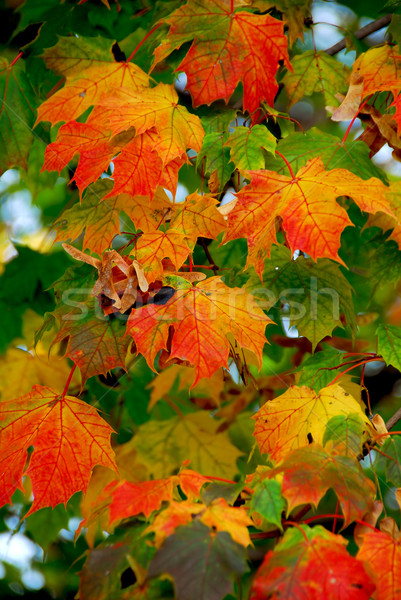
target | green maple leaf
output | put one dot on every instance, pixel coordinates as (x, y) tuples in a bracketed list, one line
[(389, 344), (268, 501), (17, 115), (217, 157), (95, 342), (317, 370), (299, 147), (247, 144), (315, 291), (315, 72)]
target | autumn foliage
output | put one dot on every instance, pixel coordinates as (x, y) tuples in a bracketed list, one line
[(187, 375)]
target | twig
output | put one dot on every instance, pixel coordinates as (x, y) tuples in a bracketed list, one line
[(208, 255), (361, 33)]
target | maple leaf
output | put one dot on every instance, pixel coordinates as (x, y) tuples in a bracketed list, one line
[(373, 71), (99, 220), (197, 559), (221, 516), (380, 554), (158, 109), (397, 115), (197, 217), (96, 343), (315, 371), (285, 423), (389, 462), (218, 516), (69, 439), (151, 248), (174, 515), (313, 564), (228, 48), (300, 147), (320, 311), (214, 159), (294, 12), (387, 222), (389, 344), (267, 501), (181, 378), (315, 72), (311, 217), (246, 146), (121, 499), (16, 115), (191, 483), (348, 433), (164, 445), (149, 133), (20, 370), (104, 566), (138, 170), (90, 73), (98, 217), (201, 317), (130, 499), (101, 574), (307, 473), (95, 503)]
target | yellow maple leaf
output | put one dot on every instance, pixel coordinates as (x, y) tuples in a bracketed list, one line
[(288, 421)]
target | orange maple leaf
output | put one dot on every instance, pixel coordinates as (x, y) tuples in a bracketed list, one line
[(197, 217), (228, 48), (156, 109), (147, 138), (145, 497), (152, 247), (90, 72), (311, 217), (132, 498), (69, 439), (201, 317)]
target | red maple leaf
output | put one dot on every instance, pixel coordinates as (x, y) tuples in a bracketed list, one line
[(68, 436)]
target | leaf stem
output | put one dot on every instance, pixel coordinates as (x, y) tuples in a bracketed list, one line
[(353, 367), (12, 63), (337, 516), (287, 163), (69, 380), (352, 122), (143, 41)]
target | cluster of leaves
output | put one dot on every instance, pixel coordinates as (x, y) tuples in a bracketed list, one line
[(138, 387)]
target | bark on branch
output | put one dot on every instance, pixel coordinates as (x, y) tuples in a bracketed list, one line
[(361, 33)]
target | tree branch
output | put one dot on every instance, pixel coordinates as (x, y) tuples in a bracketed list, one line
[(394, 419), (361, 33)]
